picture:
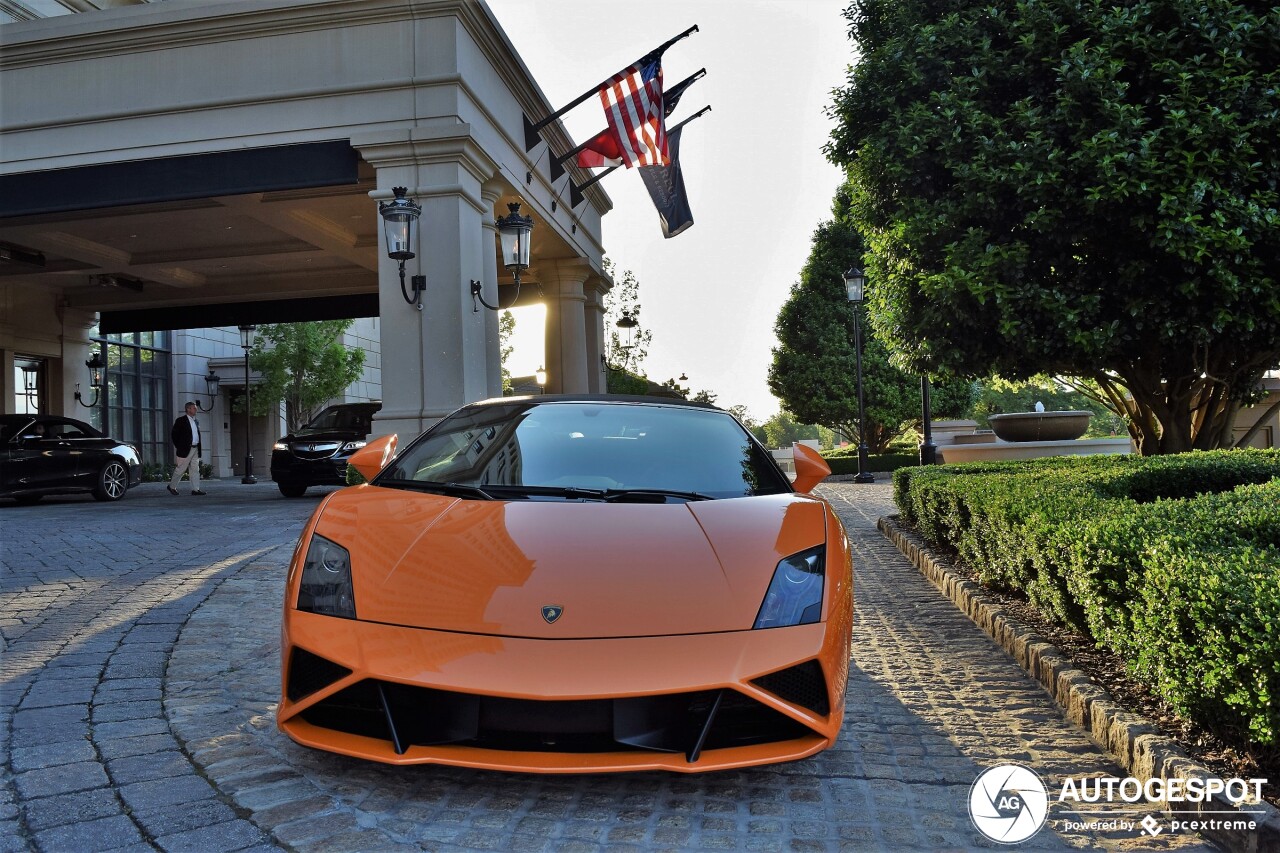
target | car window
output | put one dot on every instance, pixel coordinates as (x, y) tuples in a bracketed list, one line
[(598, 446), (64, 429)]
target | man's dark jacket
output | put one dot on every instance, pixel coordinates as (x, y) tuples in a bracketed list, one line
[(181, 436)]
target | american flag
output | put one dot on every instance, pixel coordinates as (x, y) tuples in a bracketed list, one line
[(632, 101)]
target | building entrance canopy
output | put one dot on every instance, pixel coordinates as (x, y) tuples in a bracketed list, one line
[(245, 189)]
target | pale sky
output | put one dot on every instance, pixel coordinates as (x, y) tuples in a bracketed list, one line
[(757, 181)]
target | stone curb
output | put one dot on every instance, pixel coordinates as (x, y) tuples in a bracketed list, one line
[(1130, 739)]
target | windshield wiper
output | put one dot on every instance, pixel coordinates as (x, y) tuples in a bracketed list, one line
[(648, 495), (549, 491), (457, 490)]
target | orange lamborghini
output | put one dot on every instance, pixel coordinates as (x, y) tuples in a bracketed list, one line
[(568, 584)]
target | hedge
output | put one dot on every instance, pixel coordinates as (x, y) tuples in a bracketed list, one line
[(1172, 562), (844, 462)]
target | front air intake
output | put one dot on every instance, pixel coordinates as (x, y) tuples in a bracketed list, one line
[(686, 723), (801, 685), (309, 673)]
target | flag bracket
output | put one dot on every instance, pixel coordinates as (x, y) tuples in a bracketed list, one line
[(531, 137)]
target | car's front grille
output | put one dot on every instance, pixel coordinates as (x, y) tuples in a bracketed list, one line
[(681, 723), (314, 449), (801, 685)]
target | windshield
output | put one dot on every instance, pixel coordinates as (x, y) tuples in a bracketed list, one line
[(343, 419), (587, 449)]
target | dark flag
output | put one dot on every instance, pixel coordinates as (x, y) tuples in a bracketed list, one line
[(666, 187)]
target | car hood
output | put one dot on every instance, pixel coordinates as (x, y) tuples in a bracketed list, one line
[(613, 569)]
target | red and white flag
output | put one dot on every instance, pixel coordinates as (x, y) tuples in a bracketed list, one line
[(632, 101), (601, 150)]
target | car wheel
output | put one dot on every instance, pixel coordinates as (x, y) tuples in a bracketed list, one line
[(27, 500), (292, 491), (113, 482)]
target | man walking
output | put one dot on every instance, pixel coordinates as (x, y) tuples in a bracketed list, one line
[(186, 450)]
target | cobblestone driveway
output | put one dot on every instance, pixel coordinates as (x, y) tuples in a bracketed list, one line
[(140, 671)]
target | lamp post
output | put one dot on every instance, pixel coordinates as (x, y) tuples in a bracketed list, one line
[(398, 218), (95, 366), (854, 282), (928, 450), (246, 341), (29, 387), (628, 322), (211, 385), (540, 376), (514, 232)]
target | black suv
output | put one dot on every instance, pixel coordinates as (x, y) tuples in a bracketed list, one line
[(317, 454)]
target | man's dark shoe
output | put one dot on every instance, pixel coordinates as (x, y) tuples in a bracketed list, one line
[(198, 492), (172, 490)]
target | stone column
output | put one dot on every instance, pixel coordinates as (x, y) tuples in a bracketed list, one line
[(435, 359), (489, 195), (562, 281), (595, 289), (76, 349)]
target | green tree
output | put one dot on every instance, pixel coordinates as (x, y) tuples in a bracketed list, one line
[(814, 369), (1083, 189), (304, 365), (743, 415), (704, 396), (621, 381), (782, 430), (506, 328), (627, 344)]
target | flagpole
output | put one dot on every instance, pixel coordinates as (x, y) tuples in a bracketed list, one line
[(705, 109), (576, 189), (675, 90), (531, 130)]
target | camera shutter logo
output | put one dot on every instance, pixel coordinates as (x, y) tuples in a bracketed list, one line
[(1008, 803)]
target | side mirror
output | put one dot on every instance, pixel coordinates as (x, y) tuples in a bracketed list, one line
[(811, 468), (374, 456)]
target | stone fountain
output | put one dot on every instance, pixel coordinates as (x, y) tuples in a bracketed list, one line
[(1028, 435), (1040, 426)]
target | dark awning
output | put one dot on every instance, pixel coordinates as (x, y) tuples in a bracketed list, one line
[(283, 167), (239, 313)]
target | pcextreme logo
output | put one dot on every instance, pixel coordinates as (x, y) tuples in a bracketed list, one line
[(1008, 803)]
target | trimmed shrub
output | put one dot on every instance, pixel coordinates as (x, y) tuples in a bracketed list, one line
[(1159, 559), (1208, 624)]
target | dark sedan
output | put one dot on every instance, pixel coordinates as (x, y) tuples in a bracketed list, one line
[(316, 455), (48, 455)]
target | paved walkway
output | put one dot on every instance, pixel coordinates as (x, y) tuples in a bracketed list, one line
[(140, 674)]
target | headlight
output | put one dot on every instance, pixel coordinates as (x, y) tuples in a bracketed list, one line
[(351, 446), (279, 445), (795, 593), (326, 580)]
